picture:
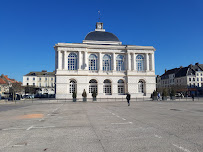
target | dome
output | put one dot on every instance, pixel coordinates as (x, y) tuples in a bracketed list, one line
[(101, 36)]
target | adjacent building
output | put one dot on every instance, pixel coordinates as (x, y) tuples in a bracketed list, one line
[(102, 64), (5, 84), (43, 81), (185, 79)]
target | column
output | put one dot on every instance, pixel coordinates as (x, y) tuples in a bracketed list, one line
[(114, 62), (79, 60), (65, 60), (152, 61), (129, 61), (147, 61), (85, 60), (100, 61), (59, 60), (133, 61)]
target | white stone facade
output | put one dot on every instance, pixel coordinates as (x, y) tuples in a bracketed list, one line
[(139, 80), (43, 80)]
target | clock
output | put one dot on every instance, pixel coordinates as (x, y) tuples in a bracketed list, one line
[(99, 26)]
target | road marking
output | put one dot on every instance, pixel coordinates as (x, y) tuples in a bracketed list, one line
[(41, 119), (113, 113), (43, 127), (13, 129), (117, 116), (29, 128), (157, 136), (123, 118), (126, 123), (181, 148)]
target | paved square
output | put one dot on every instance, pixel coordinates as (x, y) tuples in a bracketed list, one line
[(59, 126)]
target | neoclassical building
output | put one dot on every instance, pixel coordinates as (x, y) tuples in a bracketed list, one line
[(102, 64)]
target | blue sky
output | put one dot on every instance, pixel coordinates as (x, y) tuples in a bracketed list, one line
[(30, 29)]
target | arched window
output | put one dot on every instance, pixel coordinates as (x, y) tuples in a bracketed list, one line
[(140, 87), (92, 86), (140, 63), (92, 62), (73, 86), (121, 87), (107, 87), (119, 63), (106, 63), (72, 61)]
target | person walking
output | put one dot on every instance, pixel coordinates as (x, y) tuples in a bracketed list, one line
[(193, 97), (128, 98)]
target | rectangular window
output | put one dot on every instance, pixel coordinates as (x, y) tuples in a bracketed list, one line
[(197, 79), (27, 78), (33, 84), (51, 79), (189, 79), (197, 74), (33, 78), (40, 79), (39, 84), (45, 79), (193, 79), (52, 85)]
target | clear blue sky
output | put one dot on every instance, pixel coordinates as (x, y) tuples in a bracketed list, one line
[(30, 28)]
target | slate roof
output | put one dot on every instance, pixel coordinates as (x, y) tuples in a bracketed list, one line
[(183, 71), (101, 36), (42, 73)]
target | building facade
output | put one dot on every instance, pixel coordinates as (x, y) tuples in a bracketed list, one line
[(185, 79), (44, 81), (102, 64)]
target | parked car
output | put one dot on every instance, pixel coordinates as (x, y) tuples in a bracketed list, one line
[(179, 95), (28, 97)]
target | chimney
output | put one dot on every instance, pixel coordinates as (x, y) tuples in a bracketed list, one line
[(197, 63)]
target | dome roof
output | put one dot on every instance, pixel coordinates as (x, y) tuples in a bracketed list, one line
[(101, 36)]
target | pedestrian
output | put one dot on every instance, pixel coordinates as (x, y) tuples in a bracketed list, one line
[(193, 97), (158, 96), (128, 98)]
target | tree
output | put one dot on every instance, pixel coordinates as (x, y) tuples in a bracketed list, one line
[(15, 88)]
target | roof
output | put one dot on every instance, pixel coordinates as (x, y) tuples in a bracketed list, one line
[(42, 73), (182, 72), (101, 36), (2, 81)]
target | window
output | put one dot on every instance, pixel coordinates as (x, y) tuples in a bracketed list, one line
[(106, 63), (119, 63), (92, 86), (33, 84), (189, 79), (45, 84), (201, 79), (40, 79), (93, 62), (190, 85), (27, 84), (197, 79), (107, 87), (193, 79), (52, 79), (140, 63), (33, 78), (27, 78), (45, 79), (198, 84), (197, 74), (72, 61), (39, 84), (140, 87), (52, 84), (121, 87), (73, 85)]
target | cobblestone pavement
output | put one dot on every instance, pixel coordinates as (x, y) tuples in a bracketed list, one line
[(61, 126)]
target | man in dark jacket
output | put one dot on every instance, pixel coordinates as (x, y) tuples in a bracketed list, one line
[(128, 98)]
